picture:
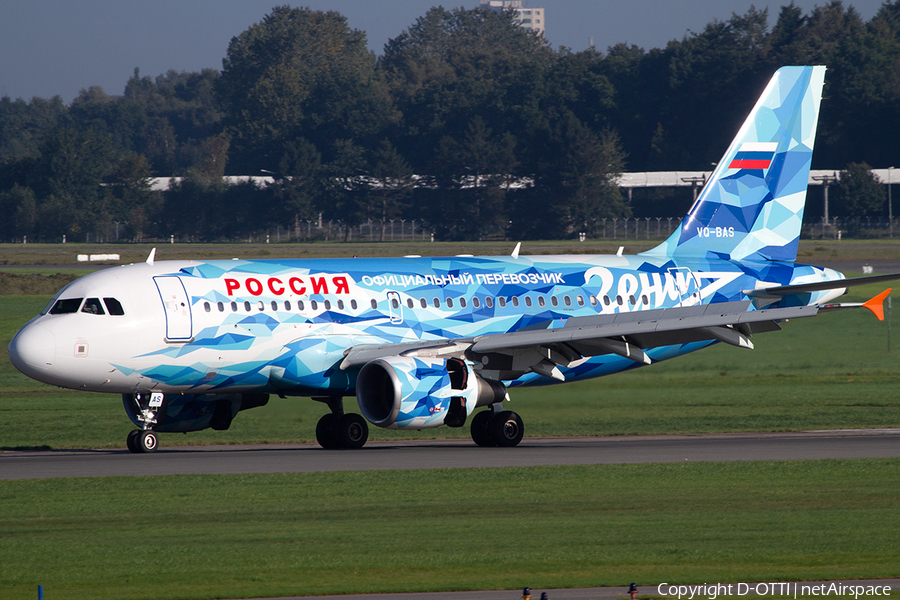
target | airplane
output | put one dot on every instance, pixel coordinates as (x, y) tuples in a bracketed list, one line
[(425, 342)]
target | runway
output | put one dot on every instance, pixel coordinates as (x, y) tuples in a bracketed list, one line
[(436, 454)]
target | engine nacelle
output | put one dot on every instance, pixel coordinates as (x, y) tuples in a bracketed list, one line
[(404, 392), (190, 412)]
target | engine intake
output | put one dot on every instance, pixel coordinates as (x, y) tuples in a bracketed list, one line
[(403, 392)]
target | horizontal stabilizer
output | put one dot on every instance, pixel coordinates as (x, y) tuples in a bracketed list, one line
[(834, 284)]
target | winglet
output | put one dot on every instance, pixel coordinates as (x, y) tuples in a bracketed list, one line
[(876, 304), (515, 253), (152, 257)]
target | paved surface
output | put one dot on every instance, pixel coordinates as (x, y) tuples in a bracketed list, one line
[(610, 593), (433, 454)]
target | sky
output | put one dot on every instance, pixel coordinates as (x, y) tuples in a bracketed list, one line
[(59, 47)]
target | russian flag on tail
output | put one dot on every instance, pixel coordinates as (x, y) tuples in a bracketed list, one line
[(754, 155)]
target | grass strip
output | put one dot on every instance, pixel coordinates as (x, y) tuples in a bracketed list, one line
[(395, 531)]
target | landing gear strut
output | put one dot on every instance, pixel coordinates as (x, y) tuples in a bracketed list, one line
[(497, 428), (338, 430), (150, 409)]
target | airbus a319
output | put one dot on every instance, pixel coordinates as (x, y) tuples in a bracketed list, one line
[(426, 342)]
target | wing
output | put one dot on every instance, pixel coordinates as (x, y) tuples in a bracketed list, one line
[(544, 348)]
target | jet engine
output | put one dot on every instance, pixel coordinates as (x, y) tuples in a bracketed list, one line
[(403, 392), (188, 412)]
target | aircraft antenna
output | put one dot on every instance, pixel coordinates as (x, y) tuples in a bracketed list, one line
[(515, 253), (152, 257)]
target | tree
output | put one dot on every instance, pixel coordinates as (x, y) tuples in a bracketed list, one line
[(392, 184), (299, 183), (858, 193), (451, 66), (298, 73)]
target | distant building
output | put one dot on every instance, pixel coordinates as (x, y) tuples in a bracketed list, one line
[(529, 18)]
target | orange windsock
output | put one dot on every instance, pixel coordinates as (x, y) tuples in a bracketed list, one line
[(876, 304)]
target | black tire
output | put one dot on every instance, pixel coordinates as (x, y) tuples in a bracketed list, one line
[(146, 441), (130, 441), (480, 429), (353, 431), (506, 429), (326, 432)]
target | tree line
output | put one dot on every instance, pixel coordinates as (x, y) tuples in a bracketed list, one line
[(443, 127)]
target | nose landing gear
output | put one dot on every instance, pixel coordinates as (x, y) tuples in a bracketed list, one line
[(140, 441), (148, 410)]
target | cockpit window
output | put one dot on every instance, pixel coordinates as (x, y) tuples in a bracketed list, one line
[(114, 307), (66, 306), (92, 306)]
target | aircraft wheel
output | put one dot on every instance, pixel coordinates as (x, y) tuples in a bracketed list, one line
[(326, 432), (480, 428), (146, 441), (130, 441), (353, 431), (506, 428)]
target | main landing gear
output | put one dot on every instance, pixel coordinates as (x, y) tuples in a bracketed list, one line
[(497, 428), (338, 430)]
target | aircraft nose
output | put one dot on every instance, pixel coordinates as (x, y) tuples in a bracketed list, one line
[(33, 350)]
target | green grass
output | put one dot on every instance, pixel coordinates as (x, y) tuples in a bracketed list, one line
[(318, 533), (828, 372)]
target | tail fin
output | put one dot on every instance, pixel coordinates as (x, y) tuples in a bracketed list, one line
[(752, 206)]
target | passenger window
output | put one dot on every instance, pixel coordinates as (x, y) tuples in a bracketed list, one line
[(353, 304), (554, 301), (313, 305), (567, 301), (606, 300), (619, 300), (515, 301), (234, 307), (502, 301), (632, 300), (220, 306), (541, 300), (92, 306), (409, 302), (287, 305), (274, 305), (423, 302), (449, 302), (462, 302), (437, 303), (64, 307), (527, 300), (114, 307), (489, 302), (247, 305), (580, 300), (261, 305), (207, 307), (340, 305), (374, 303), (299, 304), (327, 304), (593, 300), (476, 303), (395, 303)]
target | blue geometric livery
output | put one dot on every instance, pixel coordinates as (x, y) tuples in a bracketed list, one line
[(424, 342)]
